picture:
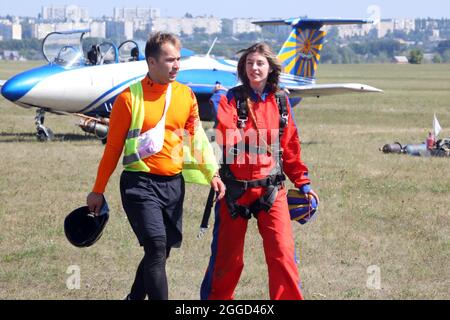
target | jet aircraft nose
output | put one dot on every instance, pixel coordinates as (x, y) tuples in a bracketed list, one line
[(13, 90), (19, 85)]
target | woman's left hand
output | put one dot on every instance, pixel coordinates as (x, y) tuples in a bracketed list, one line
[(218, 186), (312, 193)]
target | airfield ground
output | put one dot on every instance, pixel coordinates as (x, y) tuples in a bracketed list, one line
[(382, 231)]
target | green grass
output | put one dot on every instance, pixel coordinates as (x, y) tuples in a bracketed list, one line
[(391, 211)]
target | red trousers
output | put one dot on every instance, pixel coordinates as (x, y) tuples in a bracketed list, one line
[(227, 250)]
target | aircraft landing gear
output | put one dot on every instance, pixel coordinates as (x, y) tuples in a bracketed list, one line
[(42, 133)]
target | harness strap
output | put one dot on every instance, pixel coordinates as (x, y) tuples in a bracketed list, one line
[(272, 183), (237, 149), (236, 188), (270, 180), (280, 96), (262, 204), (241, 105)]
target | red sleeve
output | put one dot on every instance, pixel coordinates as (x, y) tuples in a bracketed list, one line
[(293, 166), (119, 124), (227, 131)]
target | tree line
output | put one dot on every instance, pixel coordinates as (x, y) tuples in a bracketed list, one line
[(336, 50)]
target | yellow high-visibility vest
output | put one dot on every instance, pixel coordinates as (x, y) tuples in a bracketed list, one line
[(131, 159), (199, 163)]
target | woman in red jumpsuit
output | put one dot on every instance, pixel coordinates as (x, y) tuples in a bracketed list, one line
[(258, 149)]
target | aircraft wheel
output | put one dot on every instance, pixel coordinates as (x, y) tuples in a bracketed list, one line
[(45, 135)]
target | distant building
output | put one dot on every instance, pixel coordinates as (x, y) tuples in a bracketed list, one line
[(406, 25), (136, 13), (141, 17), (64, 13), (98, 29), (385, 26), (10, 55), (353, 30), (244, 26), (10, 30), (435, 36), (119, 29), (400, 60), (41, 30), (187, 25), (389, 25)]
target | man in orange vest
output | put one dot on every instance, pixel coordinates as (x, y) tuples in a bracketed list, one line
[(153, 191)]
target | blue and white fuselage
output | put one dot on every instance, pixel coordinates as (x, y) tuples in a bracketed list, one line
[(76, 82), (92, 90), (72, 90)]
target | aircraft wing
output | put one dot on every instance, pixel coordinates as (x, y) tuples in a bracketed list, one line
[(318, 90), (305, 22)]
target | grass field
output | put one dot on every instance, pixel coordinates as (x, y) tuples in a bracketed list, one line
[(382, 231)]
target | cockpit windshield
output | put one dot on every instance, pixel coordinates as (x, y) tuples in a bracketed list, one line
[(64, 47), (131, 50)]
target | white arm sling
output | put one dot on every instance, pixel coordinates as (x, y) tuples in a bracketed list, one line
[(152, 141)]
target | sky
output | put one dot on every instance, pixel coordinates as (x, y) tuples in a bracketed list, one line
[(248, 9)]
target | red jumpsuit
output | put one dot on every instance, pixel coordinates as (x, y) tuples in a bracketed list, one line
[(227, 248)]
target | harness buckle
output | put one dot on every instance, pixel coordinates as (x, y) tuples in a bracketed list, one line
[(245, 212), (280, 152), (284, 119), (241, 122)]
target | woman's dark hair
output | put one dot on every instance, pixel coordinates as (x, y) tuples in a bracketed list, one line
[(264, 49)]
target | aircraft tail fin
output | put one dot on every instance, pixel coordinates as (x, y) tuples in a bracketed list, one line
[(300, 53)]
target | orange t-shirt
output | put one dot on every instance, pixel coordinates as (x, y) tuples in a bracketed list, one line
[(182, 116)]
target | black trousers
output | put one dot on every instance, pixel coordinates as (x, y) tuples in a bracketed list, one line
[(154, 207)]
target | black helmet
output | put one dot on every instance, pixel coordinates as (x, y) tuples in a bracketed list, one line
[(82, 228)]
